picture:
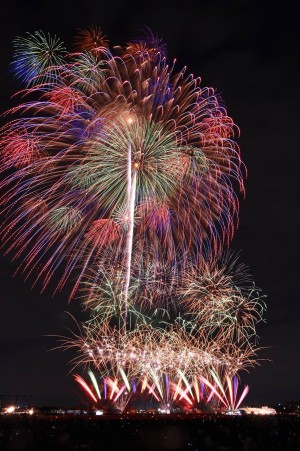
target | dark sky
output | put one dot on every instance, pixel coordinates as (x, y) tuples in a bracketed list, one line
[(246, 49)]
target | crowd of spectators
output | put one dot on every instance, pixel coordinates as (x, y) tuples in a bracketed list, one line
[(214, 433)]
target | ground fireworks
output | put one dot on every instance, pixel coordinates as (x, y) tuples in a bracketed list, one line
[(119, 172), (181, 393)]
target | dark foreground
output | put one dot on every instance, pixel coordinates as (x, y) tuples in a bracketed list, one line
[(159, 433)]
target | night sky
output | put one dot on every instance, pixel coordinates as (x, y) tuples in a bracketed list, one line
[(246, 49)]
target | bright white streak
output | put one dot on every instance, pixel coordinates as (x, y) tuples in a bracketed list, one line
[(131, 182), (186, 382), (114, 387), (124, 378), (129, 163)]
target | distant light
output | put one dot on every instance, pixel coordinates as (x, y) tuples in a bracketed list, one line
[(99, 412), (233, 412), (264, 410), (10, 409), (30, 411), (164, 410)]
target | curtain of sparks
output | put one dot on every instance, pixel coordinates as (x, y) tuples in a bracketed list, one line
[(120, 172)]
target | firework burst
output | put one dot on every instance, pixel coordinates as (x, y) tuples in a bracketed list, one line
[(221, 300), (120, 177), (137, 152)]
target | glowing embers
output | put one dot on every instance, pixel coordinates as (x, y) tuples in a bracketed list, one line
[(221, 299), (153, 351)]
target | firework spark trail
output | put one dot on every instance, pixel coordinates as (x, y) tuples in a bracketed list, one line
[(95, 384), (85, 386), (131, 204), (154, 352)]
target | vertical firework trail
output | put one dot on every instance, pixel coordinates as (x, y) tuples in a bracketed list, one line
[(131, 191)]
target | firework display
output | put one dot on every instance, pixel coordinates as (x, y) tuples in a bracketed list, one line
[(169, 394), (119, 180)]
